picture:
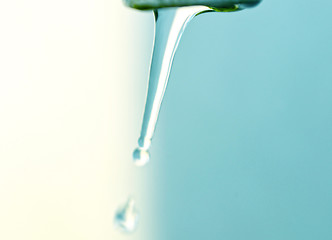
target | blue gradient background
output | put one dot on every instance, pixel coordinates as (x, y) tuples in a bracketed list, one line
[(243, 146)]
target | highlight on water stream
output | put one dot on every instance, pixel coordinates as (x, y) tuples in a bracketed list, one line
[(171, 19)]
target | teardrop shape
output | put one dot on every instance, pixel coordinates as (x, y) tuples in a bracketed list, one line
[(169, 26)]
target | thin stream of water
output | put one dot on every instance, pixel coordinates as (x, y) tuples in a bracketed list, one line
[(170, 24)]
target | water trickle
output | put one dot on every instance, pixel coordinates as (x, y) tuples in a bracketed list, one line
[(126, 217), (169, 26)]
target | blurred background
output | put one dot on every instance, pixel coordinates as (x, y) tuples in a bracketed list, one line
[(242, 149)]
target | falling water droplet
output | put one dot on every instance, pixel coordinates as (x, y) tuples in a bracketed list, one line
[(126, 217)]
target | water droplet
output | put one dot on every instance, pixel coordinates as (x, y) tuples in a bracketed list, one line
[(126, 217), (141, 156)]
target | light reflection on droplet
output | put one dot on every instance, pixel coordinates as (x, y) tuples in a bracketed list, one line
[(141, 156)]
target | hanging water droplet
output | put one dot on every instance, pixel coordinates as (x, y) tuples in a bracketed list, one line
[(141, 156), (126, 217)]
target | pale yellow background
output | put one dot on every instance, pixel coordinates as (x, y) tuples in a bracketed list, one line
[(72, 89)]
